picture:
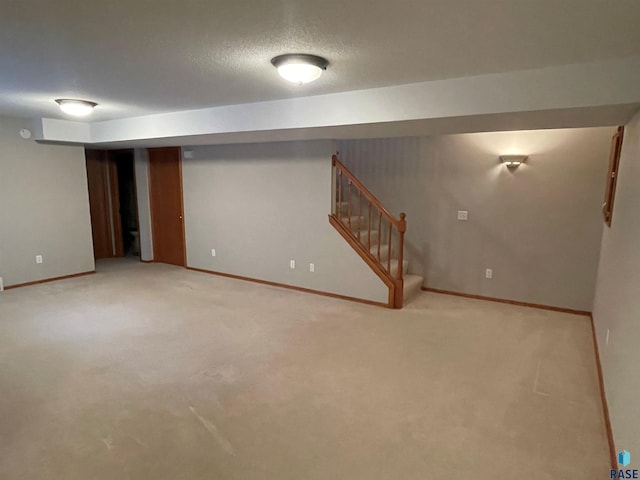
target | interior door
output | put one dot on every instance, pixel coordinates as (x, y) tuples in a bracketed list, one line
[(167, 216), (104, 204)]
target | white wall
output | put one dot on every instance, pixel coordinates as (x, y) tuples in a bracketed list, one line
[(44, 208), (617, 299), (262, 205), (141, 164), (571, 95), (538, 227)]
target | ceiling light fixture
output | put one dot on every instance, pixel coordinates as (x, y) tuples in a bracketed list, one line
[(513, 161), (300, 67), (77, 108)]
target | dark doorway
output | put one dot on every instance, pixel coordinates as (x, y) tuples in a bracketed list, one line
[(124, 161), (113, 203)]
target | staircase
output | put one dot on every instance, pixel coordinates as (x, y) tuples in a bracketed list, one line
[(374, 233)]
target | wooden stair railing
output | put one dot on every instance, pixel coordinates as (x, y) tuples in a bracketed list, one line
[(349, 217)]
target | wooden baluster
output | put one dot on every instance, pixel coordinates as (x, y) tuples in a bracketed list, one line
[(340, 194), (379, 233), (403, 224), (349, 204), (359, 213), (369, 228), (389, 248)]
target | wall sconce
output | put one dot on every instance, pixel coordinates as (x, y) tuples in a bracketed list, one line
[(513, 161)]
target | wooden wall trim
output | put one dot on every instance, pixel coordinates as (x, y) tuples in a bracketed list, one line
[(47, 280), (184, 229), (510, 302), (612, 175), (603, 395), (114, 194), (290, 287)]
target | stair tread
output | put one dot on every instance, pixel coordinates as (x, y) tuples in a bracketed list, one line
[(356, 221), (364, 235), (384, 252), (412, 286), (394, 261), (413, 277), (394, 267)]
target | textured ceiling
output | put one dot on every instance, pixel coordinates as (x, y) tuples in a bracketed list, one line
[(148, 56)]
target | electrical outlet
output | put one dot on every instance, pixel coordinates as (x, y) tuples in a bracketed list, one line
[(312, 267), (38, 258), (213, 252), (292, 264), (488, 273), (463, 215)]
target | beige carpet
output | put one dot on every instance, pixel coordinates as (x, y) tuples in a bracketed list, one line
[(156, 372)]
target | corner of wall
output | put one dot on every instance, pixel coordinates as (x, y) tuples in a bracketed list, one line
[(46, 185), (616, 307)]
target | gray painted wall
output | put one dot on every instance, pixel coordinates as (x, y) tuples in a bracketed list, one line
[(617, 299), (261, 205), (44, 208), (538, 227), (141, 164)]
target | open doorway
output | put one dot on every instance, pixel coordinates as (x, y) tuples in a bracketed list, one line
[(124, 161), (113, 203)]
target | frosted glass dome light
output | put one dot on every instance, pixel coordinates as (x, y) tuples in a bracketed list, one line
[(77, 108), (299, 67)]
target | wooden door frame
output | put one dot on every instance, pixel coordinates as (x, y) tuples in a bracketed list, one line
[(116, 218), (110, 200), (96, 166), (152, 202)]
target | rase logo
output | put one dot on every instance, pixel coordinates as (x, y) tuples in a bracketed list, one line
[(624, 459)]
